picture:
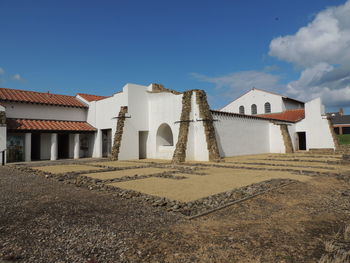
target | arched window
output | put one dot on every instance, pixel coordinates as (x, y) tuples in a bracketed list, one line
[(164, 136), (241, 109), (254, 109), (267, 107)]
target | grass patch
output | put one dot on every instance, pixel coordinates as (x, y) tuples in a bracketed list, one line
[(344, 139)]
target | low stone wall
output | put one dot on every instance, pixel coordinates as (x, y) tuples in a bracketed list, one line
[(205, 115), (286, 138), (157, 88), (181, 145), (119, 132)]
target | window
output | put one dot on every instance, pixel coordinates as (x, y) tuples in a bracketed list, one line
[(267, 107), (254, 109), (241, 109)]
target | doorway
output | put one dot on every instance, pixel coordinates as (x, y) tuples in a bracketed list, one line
[(35, 150), (302, 140), (106, 142), (63, 146), (143, 135)]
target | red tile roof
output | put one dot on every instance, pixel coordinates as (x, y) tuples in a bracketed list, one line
[(289, 115), (48, 125), (14, 95), (90, 97)]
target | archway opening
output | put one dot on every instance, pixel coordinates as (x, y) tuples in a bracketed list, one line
[(164, 136)]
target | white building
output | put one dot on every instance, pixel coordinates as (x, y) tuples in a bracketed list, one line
[(153, 122), (258, 101)]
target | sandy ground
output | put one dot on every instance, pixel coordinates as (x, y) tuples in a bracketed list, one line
[(57, 169), (194, 187), (119, 164), (128, 172)]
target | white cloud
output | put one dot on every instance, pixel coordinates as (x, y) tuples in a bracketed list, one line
[(325, 39), (322, 50), (2, 71), (17, 77)]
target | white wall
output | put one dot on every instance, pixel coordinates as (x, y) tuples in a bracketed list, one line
[(276, 139), (290, 105), (241, 135), (257, 97), (163, 108), (45, 112), (318, 134)]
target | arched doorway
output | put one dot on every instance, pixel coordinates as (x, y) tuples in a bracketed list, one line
[(164, 136)]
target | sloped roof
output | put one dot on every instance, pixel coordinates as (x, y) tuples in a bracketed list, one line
[(13, 95), (344, 119), (48, 125), (257, 117), (91, 97), (294, 115)]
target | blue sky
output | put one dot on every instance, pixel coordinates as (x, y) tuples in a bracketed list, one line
[(223, 47)]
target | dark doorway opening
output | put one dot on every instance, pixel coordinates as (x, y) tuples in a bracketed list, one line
[(63, 146), (143, 135), (35, 150), (302, 140), (106, 142)]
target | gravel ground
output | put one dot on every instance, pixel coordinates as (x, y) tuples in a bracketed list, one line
[(46, 221)]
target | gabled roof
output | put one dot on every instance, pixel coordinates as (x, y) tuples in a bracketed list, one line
[(91, 97), (294, 115), (47, 125), (13, 95)]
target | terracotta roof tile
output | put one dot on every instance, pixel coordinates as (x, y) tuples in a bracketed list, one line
[(48, 125), (91, 97), (289, 115), (40, 98)]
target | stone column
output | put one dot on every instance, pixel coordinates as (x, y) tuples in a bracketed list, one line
[(54, 149), (76, 146), (340, 130), (28, 147)]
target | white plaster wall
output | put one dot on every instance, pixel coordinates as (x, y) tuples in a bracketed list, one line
[(45, 146), (101, 115), (2, 138), (44, 112), (257, 97), (197, 148), (318, 134), (276, 139), (163, 108), (240, 136), (137, 102), (289, 105)]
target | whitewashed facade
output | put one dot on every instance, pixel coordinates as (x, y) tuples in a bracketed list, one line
[(151, 126)]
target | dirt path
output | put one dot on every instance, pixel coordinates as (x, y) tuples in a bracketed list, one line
[(42, 220)]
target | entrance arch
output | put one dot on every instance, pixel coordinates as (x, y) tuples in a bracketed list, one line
[(164, 136)]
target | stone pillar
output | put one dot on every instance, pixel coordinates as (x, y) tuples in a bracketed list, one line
[(340, 130), (97, 153), (54, 148), (28, 147), (76, 146)]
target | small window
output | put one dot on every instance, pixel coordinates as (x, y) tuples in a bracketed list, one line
[(254, 109), (267, 107), (241, 109)]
